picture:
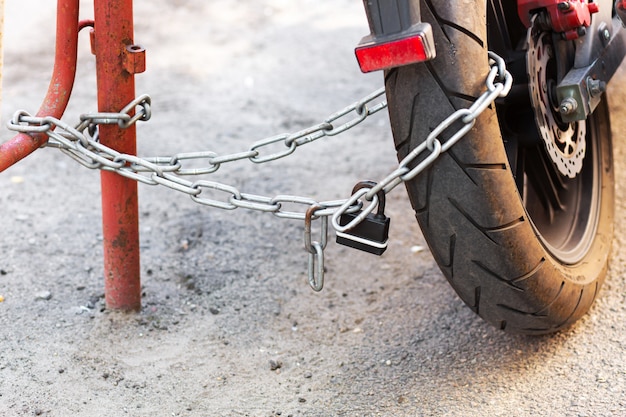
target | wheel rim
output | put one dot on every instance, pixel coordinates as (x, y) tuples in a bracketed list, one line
[(564, 211)]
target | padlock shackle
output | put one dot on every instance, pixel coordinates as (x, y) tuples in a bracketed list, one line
[(380, 211), (363, 230), (359, 216)]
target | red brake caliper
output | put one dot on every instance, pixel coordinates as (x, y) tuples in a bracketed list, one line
[(571, 18)]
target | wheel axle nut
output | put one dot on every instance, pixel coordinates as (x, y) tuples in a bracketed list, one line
[(564, 6), (596, 87), (568, 106)]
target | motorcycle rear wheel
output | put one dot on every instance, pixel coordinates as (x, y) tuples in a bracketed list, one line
[(524, 246)]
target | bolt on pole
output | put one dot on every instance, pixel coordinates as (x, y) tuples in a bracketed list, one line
[(113, 41)]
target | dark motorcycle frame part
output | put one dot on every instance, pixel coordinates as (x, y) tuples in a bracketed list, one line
[(600, 45)]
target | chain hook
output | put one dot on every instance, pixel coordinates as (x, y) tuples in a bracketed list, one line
[(315, 249)]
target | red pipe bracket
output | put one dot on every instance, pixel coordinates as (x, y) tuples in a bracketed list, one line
[(134, 59)]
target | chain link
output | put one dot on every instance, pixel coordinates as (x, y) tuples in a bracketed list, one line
[(315, 248), (81, 143)]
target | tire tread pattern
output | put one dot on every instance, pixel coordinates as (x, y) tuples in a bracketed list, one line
[(467, 203)]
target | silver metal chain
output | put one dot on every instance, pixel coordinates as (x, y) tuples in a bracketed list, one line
[(81, 143)]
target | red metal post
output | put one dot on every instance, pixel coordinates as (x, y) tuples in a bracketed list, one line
[(60, 86), (120, 219)]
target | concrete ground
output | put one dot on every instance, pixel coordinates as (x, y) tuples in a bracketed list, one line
[(229, 326)]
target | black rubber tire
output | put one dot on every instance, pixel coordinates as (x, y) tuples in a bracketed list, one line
[(468, 204)]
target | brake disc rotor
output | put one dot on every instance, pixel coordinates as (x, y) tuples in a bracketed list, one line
[(565, 142)]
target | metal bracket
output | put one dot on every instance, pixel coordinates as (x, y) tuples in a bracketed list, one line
[(134, 59), (581, 90)]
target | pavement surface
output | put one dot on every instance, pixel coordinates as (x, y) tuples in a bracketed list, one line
[(229, 326)]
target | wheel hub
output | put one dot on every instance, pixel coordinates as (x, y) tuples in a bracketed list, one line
[(565, 142)]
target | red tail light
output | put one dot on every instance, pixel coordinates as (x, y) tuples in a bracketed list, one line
[(376, 55)]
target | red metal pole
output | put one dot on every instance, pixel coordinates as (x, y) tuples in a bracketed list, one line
[(60, 87), (120, 219)]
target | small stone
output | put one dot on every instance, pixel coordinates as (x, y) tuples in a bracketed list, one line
[(308, 375), (214, 310), (275, 364), (61, 370), (302, 400), (43, 295), (417, 249)]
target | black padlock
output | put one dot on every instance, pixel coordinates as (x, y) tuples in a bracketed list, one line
[(372, 234)]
